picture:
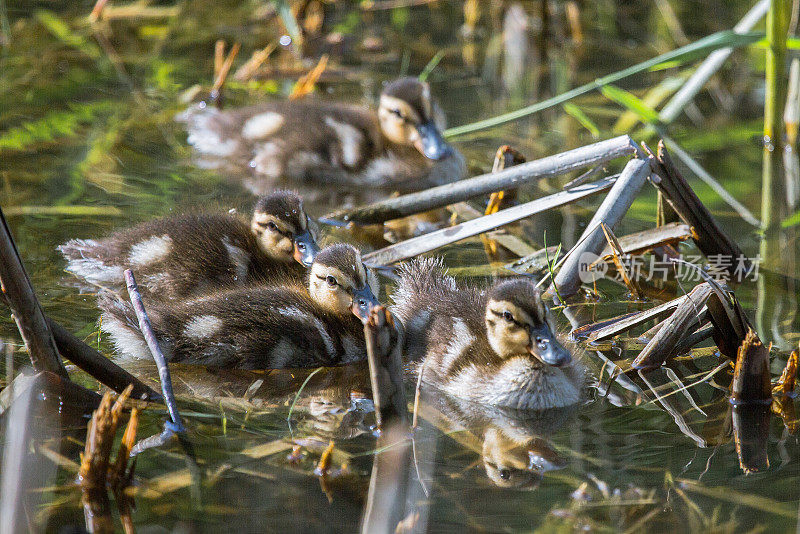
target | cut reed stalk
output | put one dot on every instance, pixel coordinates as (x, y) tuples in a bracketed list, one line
[(385, 368), (751, 377), (98, 366), (632, 244), (446, 236), (675, 328), (511, 178), (610, 212), (709, 237)]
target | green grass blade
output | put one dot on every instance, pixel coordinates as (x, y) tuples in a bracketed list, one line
[(792, 220), (578, 114), (289, 21), (630, 102), (64, 33), (423, 76)]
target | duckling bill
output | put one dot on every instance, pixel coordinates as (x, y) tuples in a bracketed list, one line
[(400, 146), (260, 327), (187, 255), (493, 346)]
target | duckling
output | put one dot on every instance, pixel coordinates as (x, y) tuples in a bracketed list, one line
[(260, 327), (186, 255), (493, 346), (305, 140)]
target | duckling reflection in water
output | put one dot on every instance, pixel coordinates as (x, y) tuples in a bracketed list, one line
[(400, 146), (261, 327), (493, 346), (514, 444), (187, 255)]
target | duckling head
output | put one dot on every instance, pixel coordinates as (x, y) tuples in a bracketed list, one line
[(339, 282), (518, 322), (281, 225), (407, 117)]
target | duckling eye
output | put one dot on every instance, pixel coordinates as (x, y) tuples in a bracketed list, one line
[(396, 112), (331, 281), (505, 474), (272, 226), (508, 317)]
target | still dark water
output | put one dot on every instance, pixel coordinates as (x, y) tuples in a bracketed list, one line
[(88, 144)]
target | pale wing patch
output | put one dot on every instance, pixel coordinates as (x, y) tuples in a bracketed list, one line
[(350, 139), (151, 250), (262, 125), (461, 339), (202, 326), (239, 258), (204, 133), (127, 341), (91, 268), (268, 160), (465, 384)]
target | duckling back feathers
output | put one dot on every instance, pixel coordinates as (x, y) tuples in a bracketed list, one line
[(252, 328), (177, 256), (310, 141)]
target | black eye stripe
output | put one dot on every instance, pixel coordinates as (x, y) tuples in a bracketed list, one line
[(514, 321), (265, 225)]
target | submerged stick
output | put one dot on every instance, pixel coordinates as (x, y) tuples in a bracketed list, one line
[(610, 212), (709, 237), (389, 483), (675, 328), (155, 350), (21, 298), (90, 360), (750, 425), (98, 366), (446, 236), (511, 178)]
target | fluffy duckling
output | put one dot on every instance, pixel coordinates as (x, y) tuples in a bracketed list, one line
[(493, 346), (186, 255), (306, 140), (260, 327)]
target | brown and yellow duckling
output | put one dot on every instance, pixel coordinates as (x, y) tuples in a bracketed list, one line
[(400, 146), (493, 346), (260, 327), (186, 255)]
